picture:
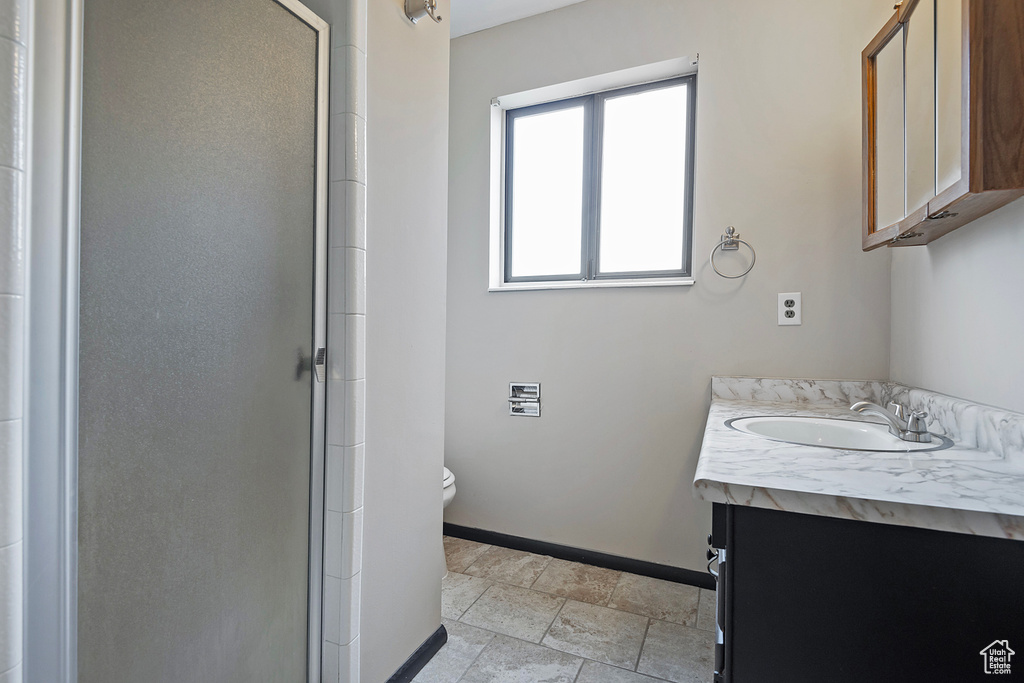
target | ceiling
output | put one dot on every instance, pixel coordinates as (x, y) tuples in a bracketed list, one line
[(469, 16)]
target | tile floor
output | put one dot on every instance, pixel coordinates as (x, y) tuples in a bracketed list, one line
[(518, 617)]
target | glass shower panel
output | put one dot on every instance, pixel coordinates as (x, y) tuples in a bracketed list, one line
[(197, 277)]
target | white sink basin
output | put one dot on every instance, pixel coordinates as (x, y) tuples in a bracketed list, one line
[(832, 433)]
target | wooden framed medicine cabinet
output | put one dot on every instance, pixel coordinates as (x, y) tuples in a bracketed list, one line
[(943, 114)]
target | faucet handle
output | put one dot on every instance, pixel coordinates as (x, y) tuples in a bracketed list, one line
[(898, 409), (916, 422)]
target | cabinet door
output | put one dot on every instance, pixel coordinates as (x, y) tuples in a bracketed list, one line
[(920, 88), (948, 91), (890, 204), (949, 72), (817, 599)]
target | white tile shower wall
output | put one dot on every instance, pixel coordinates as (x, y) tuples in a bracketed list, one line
[(341, 663), (346, 340), (13, 121), (348, 661), (404, 85)]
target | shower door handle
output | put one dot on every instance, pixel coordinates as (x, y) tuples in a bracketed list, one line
[(319, 365)]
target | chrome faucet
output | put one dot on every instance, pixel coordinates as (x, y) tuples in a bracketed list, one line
[(908, 428)]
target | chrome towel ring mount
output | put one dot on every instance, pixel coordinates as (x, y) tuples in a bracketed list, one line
[(731, 242), (417, 9)]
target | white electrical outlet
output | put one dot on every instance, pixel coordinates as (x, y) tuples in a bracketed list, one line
[(789, 308)]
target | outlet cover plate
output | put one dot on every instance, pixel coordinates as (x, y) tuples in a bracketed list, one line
[(790, 308)]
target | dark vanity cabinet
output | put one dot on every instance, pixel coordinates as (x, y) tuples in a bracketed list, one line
[(811, 598)]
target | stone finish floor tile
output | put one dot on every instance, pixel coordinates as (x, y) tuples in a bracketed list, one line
[(490, 613), (657, 599), (508, 566), (678, 653), (598, 633), (513, 611), (578, 581), (465, 643), (507, 660), (595, 672), (458, 592), (706, 610), (460, 553)]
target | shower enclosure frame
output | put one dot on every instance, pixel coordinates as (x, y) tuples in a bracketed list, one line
[(58, 624)]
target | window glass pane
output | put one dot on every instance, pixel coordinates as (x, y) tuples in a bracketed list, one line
[(547, 193), (643, 181)]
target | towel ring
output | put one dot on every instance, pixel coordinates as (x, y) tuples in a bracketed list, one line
[(731, 242)]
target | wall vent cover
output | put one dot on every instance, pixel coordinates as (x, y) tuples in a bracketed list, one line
[(524, 399)]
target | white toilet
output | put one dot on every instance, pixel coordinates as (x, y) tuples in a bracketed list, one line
[(449, 487), (448, 493)]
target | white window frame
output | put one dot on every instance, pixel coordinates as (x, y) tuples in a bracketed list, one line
[(620, 80)]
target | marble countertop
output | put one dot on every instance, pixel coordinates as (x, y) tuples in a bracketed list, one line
[(975, 487)]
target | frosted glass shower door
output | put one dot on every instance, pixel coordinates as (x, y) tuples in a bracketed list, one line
[(199, 225)]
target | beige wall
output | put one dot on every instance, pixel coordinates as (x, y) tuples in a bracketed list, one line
[(958, 311), (625, 373), (406, 219)]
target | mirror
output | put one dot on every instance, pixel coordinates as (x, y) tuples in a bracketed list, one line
[(948, 84), (943, 118), (919, 34), (889, 142)]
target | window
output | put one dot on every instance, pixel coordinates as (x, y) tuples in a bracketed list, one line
[(600, 187)]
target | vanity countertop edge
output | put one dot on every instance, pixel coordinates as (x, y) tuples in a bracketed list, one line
[(976, 487)]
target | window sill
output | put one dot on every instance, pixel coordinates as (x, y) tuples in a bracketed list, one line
[(592, 284)]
